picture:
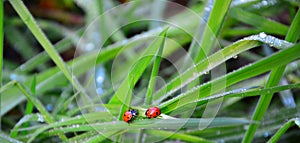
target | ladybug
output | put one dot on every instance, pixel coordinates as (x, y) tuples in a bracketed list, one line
[(152, 112), (129, 115)]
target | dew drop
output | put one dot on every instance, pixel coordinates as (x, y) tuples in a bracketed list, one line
[(235, 57), (266, 134), (90, 46), (40, 118), (246, 127), (262, 35), (207, 72)]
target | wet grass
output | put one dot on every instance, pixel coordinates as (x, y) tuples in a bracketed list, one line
[(223, 86)]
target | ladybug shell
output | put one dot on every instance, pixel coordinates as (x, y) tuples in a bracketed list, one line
[(152, 112), (127, 116)]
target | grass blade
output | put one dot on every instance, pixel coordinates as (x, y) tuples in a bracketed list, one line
[(155, 68), (119, 98), (40, 107), (215, 60), (259, 22), (283, 129), (273, 80), (180, 136), (244, 73), (214, 25), (190, 123), (41, 37)]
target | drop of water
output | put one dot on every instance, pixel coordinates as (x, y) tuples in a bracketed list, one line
[(90, 46), (266, 134), (235, 57), (40, 118), (124, 41), (207, 72), (262, 35), (246, 127), (49, 107)]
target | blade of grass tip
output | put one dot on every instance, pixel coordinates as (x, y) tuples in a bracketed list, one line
[(214, 25), (155, 68), (274, 78), (7, 86), (134, 74), (210, 32), (29, 106), (28, 19), (45, 114), (283, 129)]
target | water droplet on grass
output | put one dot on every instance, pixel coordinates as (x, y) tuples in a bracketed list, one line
[(40, 118), (262, 35)]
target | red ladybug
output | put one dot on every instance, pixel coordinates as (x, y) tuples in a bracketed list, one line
[(152, 112), (129, 115)]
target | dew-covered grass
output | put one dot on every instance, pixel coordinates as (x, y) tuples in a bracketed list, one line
[(218, 70)]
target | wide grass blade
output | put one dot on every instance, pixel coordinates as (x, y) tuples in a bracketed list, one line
[(189, 123)]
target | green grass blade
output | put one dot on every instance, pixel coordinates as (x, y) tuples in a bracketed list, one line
[(283, 129), (29, 106), (246, 72), (100, 138), (45, 114), (20, 44), (215, 60), (180, 136), (6, 139), (243, 92), (119, 98), (273, 80), (25, 119), (41, 37), (258, 21), (155, 68), (214, 25), (53, 77), (190, 123), (42, 57)]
